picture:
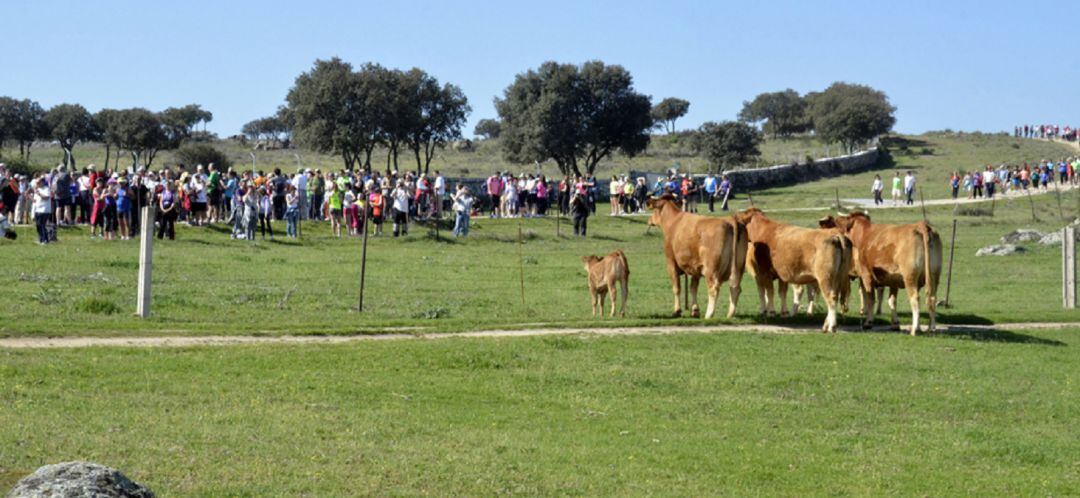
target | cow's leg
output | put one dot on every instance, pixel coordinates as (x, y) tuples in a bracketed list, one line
[(676, 289), (911, 286), (782, 288), (600, 296), (713, 283), (765, 295), (931, 308), (734, 289), (592, 300), (832, 301), (880, 299), (797, 292), (811, 297), (613, 292), (694, 310), (625, 293), (894, 319)]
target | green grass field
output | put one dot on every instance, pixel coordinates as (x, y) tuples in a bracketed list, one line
[(983, 413), (684, 415)]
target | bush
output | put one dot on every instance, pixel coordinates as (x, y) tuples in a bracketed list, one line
[(22, 166), (199, 153)]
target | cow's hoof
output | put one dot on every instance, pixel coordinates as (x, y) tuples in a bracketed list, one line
[(676, 314), (695, 314), (895, 327)]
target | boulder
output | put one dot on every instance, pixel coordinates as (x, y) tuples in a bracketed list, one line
[(1022, 235), (77, 480), (1000, 250)]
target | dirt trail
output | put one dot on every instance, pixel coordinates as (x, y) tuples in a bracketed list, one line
[(187, 341)]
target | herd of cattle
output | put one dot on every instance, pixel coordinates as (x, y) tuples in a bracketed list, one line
[(821, 260)]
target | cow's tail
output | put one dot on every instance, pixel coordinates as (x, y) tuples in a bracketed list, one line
[(622, 257), (739, 248), (927, 235), (843, 260)]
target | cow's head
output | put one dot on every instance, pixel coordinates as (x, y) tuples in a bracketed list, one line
[(658, 205), (844, 223), (747, 215), (590, 260)]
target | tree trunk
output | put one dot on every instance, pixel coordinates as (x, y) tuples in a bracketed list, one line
[(419, 164), (108, 149)]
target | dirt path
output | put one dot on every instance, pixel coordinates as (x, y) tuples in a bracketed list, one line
[(187, 341)]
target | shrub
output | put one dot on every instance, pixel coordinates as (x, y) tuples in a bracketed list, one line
[(200, 153)]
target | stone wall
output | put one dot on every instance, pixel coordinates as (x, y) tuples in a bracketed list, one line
[(744, 180), (790, 174)]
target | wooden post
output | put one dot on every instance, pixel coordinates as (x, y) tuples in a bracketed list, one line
[(1032, 202), (1068, 270), (922, 200), (837, 190), (558, 221), (1057, 192), (363, 263), (146, 261), (521, 263), (948, 279)]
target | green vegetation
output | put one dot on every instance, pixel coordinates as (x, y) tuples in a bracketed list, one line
[(688, 415)]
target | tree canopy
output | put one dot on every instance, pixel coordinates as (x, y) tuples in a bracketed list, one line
[(668, 110), (850, 114), (22, 121), (728, 144), (487, 128), (573, 115), (782, 113), (70, 124), (336, 109)]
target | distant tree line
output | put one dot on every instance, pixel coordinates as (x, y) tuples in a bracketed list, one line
[(138, 131)]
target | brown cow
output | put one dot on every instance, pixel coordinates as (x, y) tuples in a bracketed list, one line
[(604, 273), (700, 246), (796, 255), (894, 256)]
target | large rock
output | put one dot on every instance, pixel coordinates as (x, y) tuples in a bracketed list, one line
[(1054, 238), (1022, 235), (1001, 250), (78, 480)]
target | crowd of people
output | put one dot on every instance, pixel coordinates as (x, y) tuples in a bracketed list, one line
[(1046, 132), (252, 202), (1013, 178)]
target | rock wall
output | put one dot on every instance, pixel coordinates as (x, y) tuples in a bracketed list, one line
[(789, 174)]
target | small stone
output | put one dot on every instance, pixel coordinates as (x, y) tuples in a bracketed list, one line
[(999, 250), (78, 480)]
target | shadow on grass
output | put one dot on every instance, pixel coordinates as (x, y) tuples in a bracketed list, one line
[(996, 335)]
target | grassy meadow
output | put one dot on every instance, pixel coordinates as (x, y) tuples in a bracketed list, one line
[(681, 415), (973, 413)]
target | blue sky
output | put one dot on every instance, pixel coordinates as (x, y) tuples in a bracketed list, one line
[(964, 65)]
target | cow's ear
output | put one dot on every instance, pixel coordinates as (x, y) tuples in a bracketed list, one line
[(650, 202), (827, 222)]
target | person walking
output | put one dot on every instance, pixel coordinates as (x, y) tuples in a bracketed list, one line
[(876, 189), (897, 185), (909, 187), (710, 185), (954, 184)]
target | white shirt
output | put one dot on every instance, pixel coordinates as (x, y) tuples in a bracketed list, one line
[(989, 177), (299, 182), (909, 182), (878, 186), (42, 200), (401, 199), (84, 183), (440, 185), (463, 204)]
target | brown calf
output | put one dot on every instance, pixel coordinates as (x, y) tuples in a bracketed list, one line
[(604, 273)]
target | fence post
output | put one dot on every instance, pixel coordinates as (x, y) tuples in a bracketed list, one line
[(948, 279), (146, 261), (1068, 267)]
